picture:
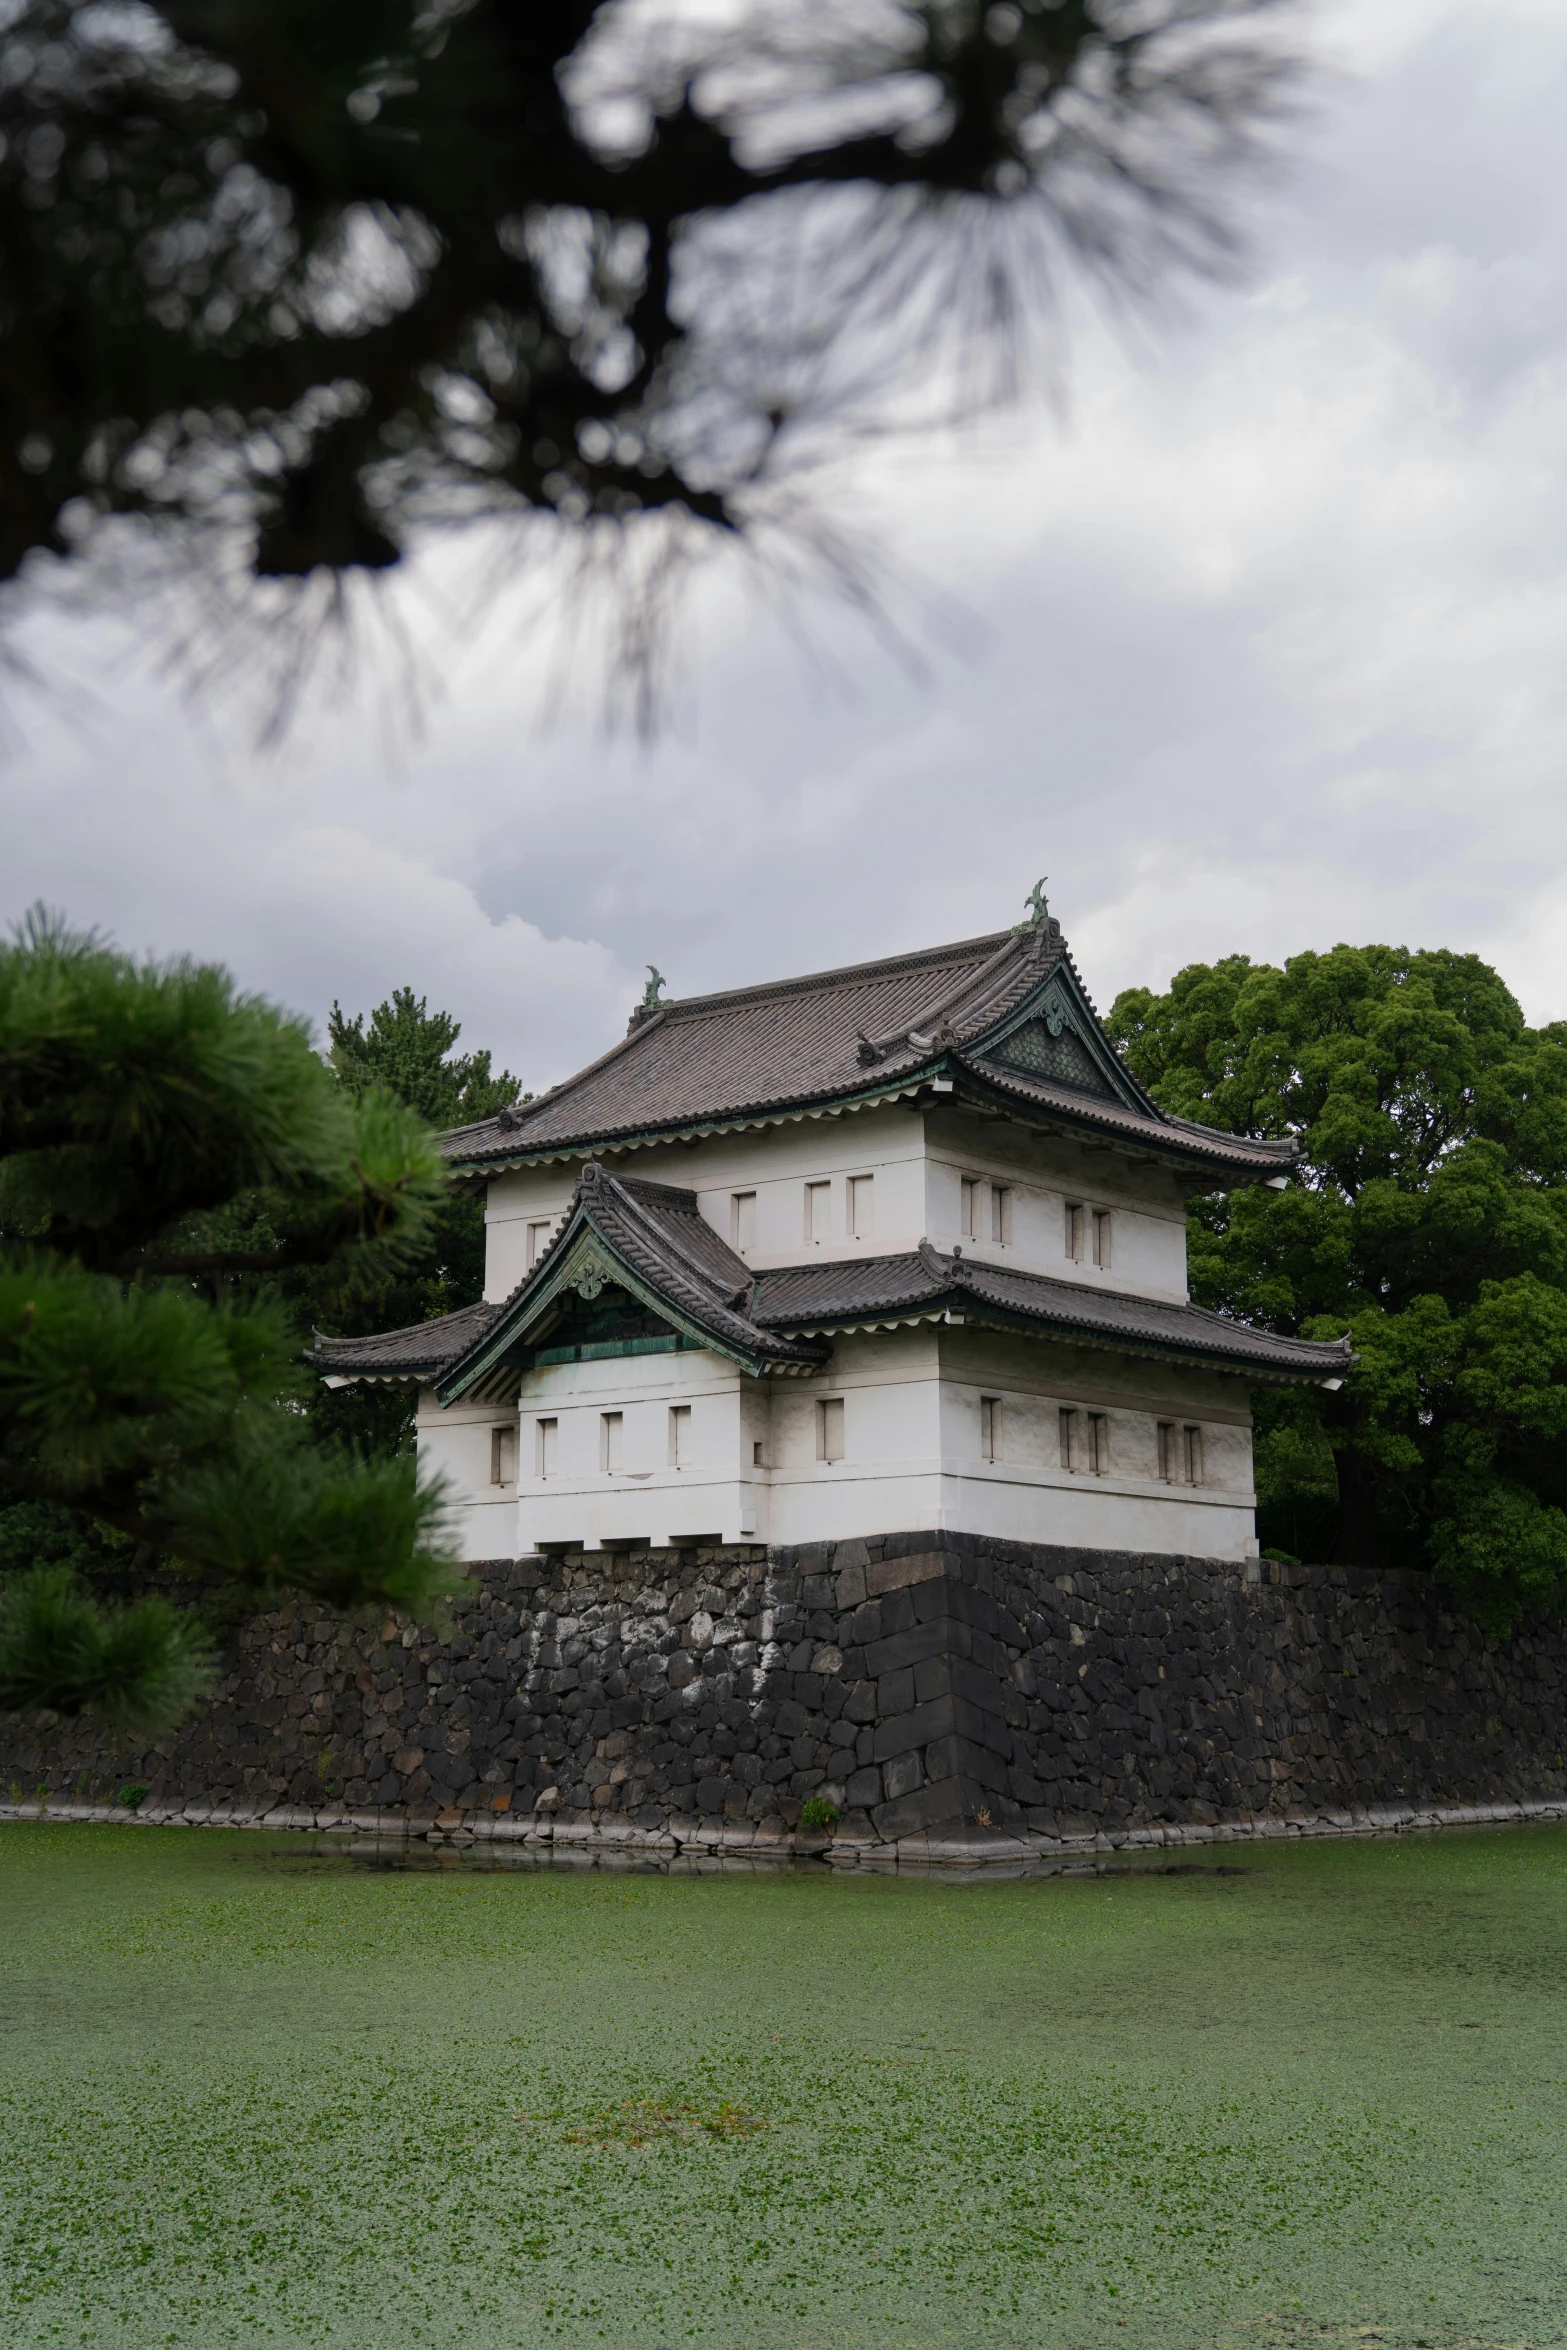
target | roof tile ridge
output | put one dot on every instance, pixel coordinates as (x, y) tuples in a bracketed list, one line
[(516, 1133), (1039, 967), (952, 1270), (1276, 1145), (1093, 1107), (671, 1241), (805, 981), (406, 1329), (878, 1046), (904, 1259), (673, 1192), (1255, 1330)]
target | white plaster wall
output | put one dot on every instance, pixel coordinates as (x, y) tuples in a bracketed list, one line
[(1044, 1173), (455, 1444), (513, 1203), (646, 1500), (917, 1159), (912, 1450)]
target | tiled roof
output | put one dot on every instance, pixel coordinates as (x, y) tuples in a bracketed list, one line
[(832, 1296), (839, 1035), (658, 1231), (652, 1237), (1208, 1142), (418, 1352)]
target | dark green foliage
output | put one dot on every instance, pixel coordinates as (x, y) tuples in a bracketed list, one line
[(170, 1151), (1429, 1220), (404, 1050), (140, 1665), (315, 277)]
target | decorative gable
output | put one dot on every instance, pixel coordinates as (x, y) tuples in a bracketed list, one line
[(1048, 1048), (1055, 1035)]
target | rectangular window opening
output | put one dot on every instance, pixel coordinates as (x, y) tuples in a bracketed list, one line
[(680, 1436), (546, 1448), (1001, 1212), (972, 1189), (611, 1433), (829, 1428), (861, 1206), (1169, 1455), (1102, 1238), (989, 1427), (538, 1241), (503, 1456), (756, 1454), (1074, 1231), (818, 1211), (742, 1221), (1099, 1443), (1071, 1442), (1193, 1463)]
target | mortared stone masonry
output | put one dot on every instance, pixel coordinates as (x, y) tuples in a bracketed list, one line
[(922, 1682)]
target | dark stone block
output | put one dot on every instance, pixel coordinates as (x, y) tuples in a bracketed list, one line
[(894, 1694), (914, 1728), (909, 1647)]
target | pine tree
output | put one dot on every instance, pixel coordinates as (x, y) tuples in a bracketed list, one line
[(300, 283), (407, 1051), (170, 1151)]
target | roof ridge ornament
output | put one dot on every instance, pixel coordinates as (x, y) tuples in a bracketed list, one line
[(650, 1003)]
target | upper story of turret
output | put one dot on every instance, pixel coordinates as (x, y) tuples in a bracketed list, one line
[(966, 1097)]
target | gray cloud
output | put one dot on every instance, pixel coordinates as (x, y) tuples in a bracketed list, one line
[(1268, 652)]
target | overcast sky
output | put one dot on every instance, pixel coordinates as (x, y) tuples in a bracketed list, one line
[(1264, 649)]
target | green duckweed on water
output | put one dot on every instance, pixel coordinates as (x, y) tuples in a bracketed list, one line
[(255, 2093)]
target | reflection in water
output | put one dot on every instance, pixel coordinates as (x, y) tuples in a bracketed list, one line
[(436, 1856)]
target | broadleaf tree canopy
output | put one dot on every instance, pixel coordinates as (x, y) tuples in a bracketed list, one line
[(1428, 1220)]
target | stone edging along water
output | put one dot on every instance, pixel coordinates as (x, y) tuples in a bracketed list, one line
[(616, 1843)]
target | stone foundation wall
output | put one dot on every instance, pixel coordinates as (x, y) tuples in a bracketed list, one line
[(924, 1683)]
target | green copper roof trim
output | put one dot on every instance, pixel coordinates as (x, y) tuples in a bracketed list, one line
[(587, 1263), (1062, 1003)]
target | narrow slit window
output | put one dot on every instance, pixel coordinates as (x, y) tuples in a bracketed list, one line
[(503, 1456), (1193, 1463), (818, 1211), (1074, 1231), (972, 1189), (1001, 1212), (1071, 1454), (829, 1428), (612, 1429), (1099, 1443), (546, 1448), (756, 1454), (538, 1241), (1169, 1455), (862, 1206), (1102, 1238), (680, 1436), (989, 1427), (742, 1221)]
